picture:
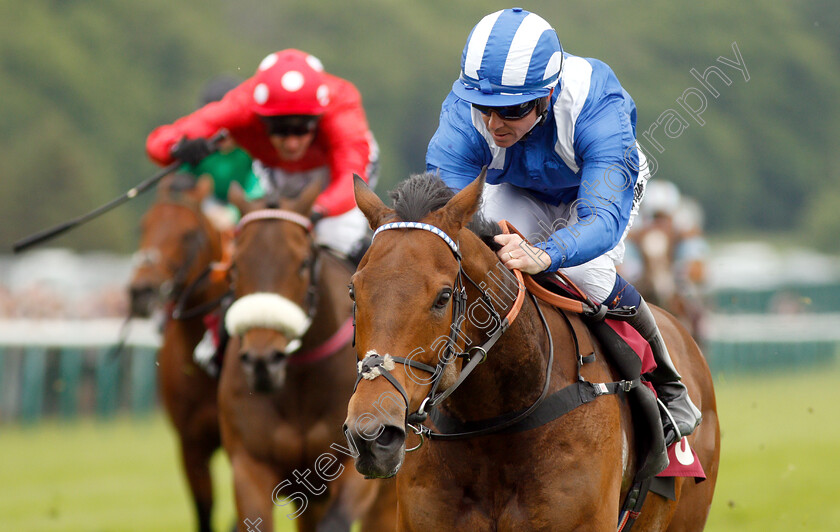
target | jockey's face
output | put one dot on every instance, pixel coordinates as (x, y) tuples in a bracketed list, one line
[(507, 132), (292, 147), (291, 135)]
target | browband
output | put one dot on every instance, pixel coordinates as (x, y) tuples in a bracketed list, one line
[(426, 227)]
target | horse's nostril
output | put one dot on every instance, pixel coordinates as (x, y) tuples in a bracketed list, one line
[(137, 292), (390, 436), (142, 301)]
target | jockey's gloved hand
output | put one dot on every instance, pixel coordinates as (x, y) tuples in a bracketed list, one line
[(192, 151), (316, 216)]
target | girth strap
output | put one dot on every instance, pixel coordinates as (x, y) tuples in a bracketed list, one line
[(553, 407)]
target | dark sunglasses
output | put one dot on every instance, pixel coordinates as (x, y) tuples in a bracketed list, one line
[(290, 125), (509, 112)]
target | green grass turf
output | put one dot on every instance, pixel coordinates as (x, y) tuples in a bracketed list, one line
[(780, 447), (120, 475), (779, 466)]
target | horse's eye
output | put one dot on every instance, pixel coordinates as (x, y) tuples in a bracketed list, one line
[(305, 265), (443, 298), (352, 292)]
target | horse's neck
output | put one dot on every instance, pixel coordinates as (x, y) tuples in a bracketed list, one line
[(217, 239), (513, 375), (212, 252)]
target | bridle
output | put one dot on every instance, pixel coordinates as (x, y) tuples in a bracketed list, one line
[(174, 289), (344, 332), (374, 364), (300, 220)]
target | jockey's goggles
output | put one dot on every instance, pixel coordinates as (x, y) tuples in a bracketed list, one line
[(290, 125), (509, 112)]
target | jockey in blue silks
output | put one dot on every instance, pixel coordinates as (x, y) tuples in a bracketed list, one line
[(558, 136)]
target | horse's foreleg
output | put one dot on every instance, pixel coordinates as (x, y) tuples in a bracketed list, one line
[(382, 514), (190, 403), (253, 483), (196, 461), (353, 498)]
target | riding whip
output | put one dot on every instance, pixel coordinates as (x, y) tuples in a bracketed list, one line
[(52, 232)]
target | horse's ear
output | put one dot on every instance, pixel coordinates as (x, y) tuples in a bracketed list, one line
[(236, 196), (204, 187), (459, 210), (369, 203), (164, 185)]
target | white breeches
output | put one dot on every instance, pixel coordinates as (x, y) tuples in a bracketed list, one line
[(537, 220)]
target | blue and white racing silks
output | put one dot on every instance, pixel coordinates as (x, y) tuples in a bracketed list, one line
[(585, 153)]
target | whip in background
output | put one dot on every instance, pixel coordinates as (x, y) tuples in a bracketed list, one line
[(48, 234)]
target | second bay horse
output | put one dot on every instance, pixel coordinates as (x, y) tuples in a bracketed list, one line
[(288, 374), (177, 245)]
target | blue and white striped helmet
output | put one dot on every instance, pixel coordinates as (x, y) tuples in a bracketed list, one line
[(511, 57)]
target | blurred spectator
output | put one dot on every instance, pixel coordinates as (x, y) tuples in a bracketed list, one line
[(59, 284), (39, 301), (667, 252)]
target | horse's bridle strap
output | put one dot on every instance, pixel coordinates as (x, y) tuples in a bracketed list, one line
[(335, 342), (375, 365), (425, 227), (275, 214), (459, 300)]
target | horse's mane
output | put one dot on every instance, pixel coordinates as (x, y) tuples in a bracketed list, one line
[(422, 194)]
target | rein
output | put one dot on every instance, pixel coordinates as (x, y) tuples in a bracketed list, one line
[(179, 313)]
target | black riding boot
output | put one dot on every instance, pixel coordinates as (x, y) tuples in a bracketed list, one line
[(680, 416)]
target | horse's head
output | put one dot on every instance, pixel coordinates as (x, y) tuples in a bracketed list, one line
[(407, 290), (176, 243), (272, 274), (656, 244)]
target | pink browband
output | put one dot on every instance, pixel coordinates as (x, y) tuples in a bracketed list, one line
[(274, 214)]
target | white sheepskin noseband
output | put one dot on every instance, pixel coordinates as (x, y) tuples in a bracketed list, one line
[(370, 374), (267, 311)]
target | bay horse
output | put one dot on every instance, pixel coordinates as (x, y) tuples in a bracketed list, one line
[(414, 311), (178, 244), (288, 374)]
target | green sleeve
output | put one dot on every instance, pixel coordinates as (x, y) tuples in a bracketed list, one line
[(225, 168), (252, 186)]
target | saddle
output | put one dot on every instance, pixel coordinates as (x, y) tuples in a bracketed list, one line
[(627, 352)]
